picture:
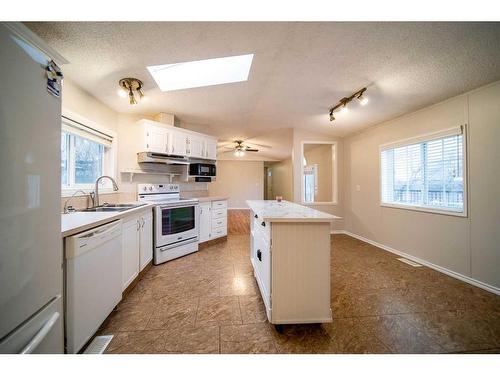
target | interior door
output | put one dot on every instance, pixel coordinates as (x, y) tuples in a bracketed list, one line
[(146, 239)]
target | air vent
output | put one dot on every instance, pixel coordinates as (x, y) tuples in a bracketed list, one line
[(410, 262), (98, 344)]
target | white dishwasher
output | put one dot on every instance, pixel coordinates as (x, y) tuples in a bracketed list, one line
[(93, 264)]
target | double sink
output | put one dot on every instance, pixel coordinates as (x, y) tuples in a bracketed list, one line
[(112, 207)]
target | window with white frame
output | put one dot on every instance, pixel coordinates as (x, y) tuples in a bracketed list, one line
[(86, 154), (425, 173), (310, 182)]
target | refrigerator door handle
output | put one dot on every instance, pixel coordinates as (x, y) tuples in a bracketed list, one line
[(40, 335)]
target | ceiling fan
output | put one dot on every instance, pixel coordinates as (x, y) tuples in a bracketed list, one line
[(240, 149)]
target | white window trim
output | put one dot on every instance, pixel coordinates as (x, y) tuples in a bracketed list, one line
[(425, 138), (334, 201), (113, 163)]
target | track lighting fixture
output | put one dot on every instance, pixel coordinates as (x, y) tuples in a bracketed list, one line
[(130, 87), (341, 106)]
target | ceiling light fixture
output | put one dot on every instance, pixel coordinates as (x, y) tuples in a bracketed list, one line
[(341, 106), (131, 87), (239, 153)]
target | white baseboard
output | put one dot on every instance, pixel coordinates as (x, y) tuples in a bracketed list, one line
[(446, 271), (337, 231)]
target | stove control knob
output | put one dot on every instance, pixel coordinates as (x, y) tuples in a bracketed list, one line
[(150, 188), (144, 188)]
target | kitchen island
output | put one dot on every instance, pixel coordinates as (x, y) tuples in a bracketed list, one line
[(290, 255)]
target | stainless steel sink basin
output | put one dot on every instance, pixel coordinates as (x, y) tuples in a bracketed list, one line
[(112, 207)]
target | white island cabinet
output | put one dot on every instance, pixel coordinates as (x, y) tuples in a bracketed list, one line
[(290, 255)]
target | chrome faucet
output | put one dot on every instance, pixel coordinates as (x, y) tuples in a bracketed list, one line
[(67, 209), (96, 191)]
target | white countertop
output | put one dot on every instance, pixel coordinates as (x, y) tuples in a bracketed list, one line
[(285, 211), (211, 199), (76, 222)]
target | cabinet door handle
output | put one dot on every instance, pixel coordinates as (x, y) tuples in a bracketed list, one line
[(263, 224), (138, 225), (256, 216), (259, 255), (143, 222)]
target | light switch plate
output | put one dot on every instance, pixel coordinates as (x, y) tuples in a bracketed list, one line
[(358, 188)]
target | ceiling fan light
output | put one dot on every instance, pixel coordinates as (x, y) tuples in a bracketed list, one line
[(344, 109)]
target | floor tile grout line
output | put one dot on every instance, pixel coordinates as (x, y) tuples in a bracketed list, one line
[(196, 314)]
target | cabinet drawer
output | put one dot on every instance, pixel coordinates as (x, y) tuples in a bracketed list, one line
[(219, 204), (219, 232), (219, 223), (216, 214)]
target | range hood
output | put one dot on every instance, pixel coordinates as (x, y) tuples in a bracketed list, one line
[(159, 158)]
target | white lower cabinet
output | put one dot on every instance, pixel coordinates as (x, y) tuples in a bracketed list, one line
[(146, 240), (205, 222), (137, 242), (262, 266), (213, 220)]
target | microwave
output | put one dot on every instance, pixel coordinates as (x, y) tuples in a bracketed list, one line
[(202, 169)]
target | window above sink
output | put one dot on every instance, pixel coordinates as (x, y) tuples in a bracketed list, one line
[(87, 152)]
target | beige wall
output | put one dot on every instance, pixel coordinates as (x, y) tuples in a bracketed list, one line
[(468, 246), (282, 180), (239, 181), (300, 136), (321, 155)]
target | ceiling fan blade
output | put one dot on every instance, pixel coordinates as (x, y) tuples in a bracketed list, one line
[(228, 151), (228, 147), (257, 145), (251, 150)]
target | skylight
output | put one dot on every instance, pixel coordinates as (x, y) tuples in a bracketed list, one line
[(202, 73)]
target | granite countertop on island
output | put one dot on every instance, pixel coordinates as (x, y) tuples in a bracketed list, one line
[(284, 211)]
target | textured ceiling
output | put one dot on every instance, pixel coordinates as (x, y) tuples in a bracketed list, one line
[(299, 69)]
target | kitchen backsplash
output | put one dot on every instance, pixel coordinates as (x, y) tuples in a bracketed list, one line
[(188, 190)]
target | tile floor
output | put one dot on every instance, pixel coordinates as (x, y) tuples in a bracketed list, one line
[(208, 302)]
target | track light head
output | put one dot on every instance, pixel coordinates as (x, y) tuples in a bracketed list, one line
[(332, 117)]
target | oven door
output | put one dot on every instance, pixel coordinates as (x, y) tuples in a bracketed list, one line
[(176, 223)]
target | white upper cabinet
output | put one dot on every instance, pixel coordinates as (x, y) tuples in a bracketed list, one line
[(196, 147), (156, 138), (211, 148), (179, 142), (176, 141)]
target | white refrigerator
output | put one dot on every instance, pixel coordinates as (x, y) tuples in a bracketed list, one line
[(31, 258)]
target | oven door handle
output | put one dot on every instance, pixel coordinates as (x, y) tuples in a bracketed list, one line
[(179, 205)]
